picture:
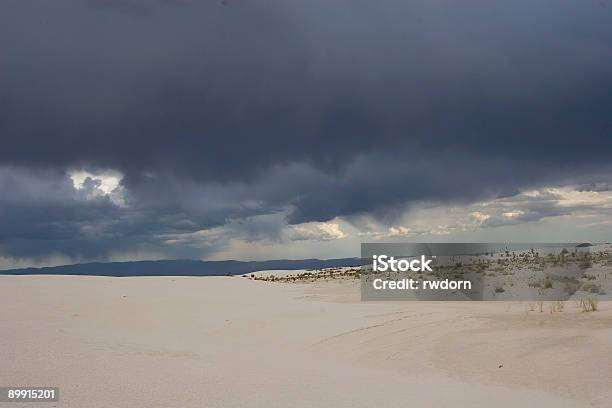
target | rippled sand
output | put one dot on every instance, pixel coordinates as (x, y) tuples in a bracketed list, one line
[(235, 342)]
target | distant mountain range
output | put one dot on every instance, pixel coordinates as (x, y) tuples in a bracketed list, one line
[(182, 267)]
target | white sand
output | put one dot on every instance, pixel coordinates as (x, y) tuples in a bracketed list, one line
[(234, 342)]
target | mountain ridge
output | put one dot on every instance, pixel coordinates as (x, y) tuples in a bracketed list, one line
[(182, 267)]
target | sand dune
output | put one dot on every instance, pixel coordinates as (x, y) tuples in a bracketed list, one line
[(234, 342)]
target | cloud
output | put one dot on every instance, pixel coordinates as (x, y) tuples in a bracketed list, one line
[(594, 186), (319, 231), (41, 214), (399, 231), (211, 92), (239, 117), (530, 207)]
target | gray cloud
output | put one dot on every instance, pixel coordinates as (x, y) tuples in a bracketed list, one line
[(219, 111)]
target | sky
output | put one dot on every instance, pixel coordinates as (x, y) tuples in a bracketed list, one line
[(238, 129)]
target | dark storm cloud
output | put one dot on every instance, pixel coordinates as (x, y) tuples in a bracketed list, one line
[(219, 110), (41, 214)]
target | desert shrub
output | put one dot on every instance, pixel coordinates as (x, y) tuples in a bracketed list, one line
[(591, 287), (588, 304), (544, 284), (593, 303)]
